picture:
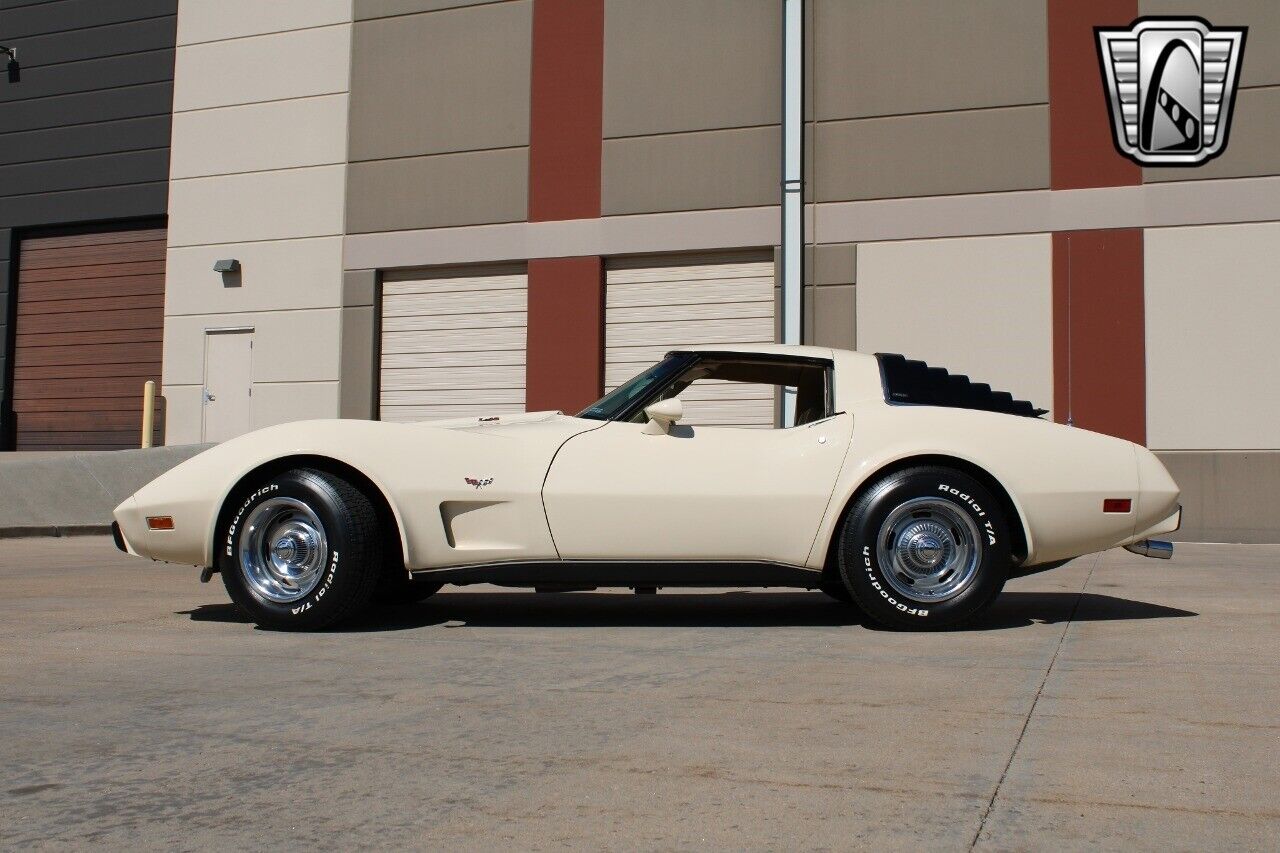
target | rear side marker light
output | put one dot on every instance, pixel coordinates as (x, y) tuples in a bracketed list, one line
[(1117, 505), (160, 522)]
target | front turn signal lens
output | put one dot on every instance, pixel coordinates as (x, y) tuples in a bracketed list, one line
[(1117, 505), (160, 522)]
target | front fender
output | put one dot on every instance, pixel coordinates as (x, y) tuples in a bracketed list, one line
[(421, 470)]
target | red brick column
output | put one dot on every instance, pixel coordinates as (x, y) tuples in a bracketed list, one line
[(565, 351), (566, 333), (1099, 353)]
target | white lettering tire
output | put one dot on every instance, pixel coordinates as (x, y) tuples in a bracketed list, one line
[(924, 548), (300, 550)]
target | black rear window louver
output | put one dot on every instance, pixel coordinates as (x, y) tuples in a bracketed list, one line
[(914, 382)]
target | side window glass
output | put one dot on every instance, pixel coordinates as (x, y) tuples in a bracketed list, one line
[(748, 394)]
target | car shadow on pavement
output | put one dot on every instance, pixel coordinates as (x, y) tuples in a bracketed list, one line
[(734, 609)]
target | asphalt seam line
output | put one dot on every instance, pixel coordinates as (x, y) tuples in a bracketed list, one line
[(1026, 722)]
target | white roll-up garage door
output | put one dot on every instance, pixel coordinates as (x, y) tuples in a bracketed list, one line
[(654, 307), (453, 347)]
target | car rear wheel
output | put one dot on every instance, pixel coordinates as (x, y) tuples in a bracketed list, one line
[(301, 550), (924, 548)]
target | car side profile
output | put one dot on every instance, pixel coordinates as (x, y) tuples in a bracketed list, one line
[(893, 486)]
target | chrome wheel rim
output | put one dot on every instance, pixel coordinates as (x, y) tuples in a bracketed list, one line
[(929, 550), (283, 550)]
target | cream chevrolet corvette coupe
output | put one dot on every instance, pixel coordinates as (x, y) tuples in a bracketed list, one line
[(901, 489)]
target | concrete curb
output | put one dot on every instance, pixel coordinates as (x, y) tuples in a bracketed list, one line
[(73, 494), (58, 531)]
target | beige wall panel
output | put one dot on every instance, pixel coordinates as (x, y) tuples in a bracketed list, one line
[(1262, 17), (278, 403), (442, 190), (274, 274), (273, 403), (892, 57), (262, 68), (259, 137), (672, 65), (214, 20), (182, 413), (448, 81), (691, 171), (1214, 286), (830, 318), (366, 9), (1226, 497), (1251, 146), (941, 154), (288, 346), (258, 206), (949, 302)]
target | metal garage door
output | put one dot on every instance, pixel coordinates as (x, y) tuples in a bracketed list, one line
[(453, 347), (87, 336), (653, 307)]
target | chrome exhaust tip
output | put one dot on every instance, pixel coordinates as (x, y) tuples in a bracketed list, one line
[(1151, 548)]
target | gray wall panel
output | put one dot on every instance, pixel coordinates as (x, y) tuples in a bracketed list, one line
[(96, 82), (439, 191), (131, 134), (90, 76), (672, 65), (151, 99), (893, 57), (1251, 146), (691, 171), (96, 42), (21, 21), (938, 154), (1262, 17), (90, 205), (456, 80), (82, 172)]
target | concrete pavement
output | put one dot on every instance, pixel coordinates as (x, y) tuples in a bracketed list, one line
[(1114, 703)]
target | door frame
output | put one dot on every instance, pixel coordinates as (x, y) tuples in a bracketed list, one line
[(204, 376)]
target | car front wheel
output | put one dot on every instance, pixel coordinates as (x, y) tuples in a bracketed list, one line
[(300, 550), (924, 548)]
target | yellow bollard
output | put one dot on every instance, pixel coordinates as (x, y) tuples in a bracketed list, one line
[(148, 411)]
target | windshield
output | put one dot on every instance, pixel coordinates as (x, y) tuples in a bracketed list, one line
[(622, 401)]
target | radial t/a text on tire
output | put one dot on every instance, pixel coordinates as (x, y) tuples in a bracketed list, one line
[(300, 550), (924, 548)]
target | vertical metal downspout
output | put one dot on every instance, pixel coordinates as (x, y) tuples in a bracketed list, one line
[(792, 183)]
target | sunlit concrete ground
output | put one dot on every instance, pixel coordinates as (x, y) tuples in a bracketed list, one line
[(1116, 702)]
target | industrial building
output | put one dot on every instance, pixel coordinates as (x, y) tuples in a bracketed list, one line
[(431, 208)]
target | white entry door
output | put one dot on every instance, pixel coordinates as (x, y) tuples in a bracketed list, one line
[(228, 384)]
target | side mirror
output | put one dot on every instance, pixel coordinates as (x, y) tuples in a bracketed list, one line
[(662, 415)]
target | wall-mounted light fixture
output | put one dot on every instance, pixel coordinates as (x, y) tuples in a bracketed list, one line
[(226, 265), (15, 70)]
